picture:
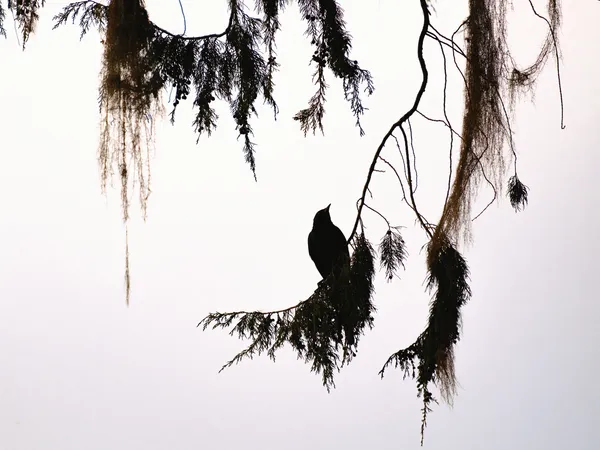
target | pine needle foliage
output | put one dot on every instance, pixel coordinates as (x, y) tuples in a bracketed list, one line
[(25, 13), (517, 193), (392, 249), (323, 330), (236, 65), (327, 31), (90, 14), (2, 17)]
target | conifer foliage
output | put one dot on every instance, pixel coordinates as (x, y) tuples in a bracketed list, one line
[(324, 330), (25, 14), (237, 66)]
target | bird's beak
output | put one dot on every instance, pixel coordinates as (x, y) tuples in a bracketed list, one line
[(328, 207)]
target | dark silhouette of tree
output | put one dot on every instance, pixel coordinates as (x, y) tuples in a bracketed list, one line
[(237, 66)]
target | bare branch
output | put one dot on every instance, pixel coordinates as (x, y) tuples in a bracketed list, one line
[(404, 118)]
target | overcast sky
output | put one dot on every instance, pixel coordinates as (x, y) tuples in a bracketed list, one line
[(81, 371)]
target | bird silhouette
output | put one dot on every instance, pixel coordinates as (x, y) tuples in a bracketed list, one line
[(327, 244)]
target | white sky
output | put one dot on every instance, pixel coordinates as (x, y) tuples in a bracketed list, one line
[(79, 370)]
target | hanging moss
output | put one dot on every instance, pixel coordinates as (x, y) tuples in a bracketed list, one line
[(129, 99)]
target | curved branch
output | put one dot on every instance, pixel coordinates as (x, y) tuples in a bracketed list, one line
[(404, 118), (180, 36), (184, 18)]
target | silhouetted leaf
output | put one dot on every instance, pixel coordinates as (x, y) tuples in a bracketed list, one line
[(517, 193), (393, 253)]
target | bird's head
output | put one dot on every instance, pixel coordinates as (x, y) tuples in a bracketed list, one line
[(322, 216)]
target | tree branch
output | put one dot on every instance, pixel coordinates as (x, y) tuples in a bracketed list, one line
[(403, 119), (181, 36)]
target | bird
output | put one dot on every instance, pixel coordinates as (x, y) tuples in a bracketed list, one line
[(327, 244)]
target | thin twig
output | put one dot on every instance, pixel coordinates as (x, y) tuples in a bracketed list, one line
[(445, 111), (399, 179), (401, 155), (562, 107), (414, 154), (410, 189), (187, 38), (379, 214), (491, 202), (443, 122), (463, 23), (184, 20), (450, 43)]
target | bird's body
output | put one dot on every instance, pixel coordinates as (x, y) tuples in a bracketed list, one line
[(327, 244)]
